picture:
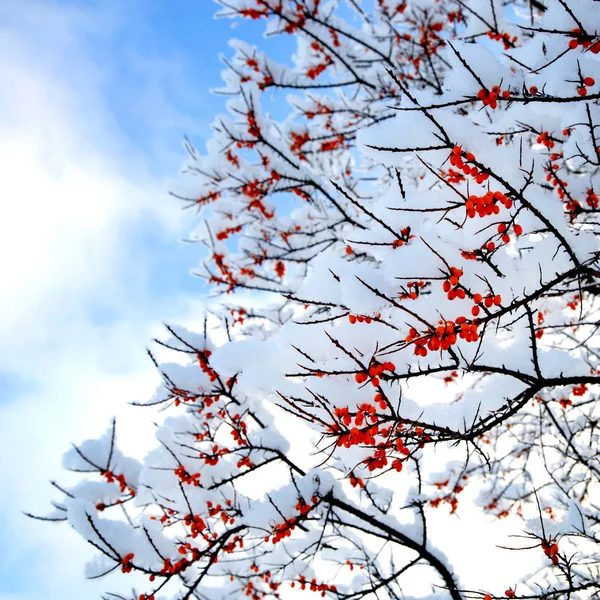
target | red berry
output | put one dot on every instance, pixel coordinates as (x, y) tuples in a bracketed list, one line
[(589, 81)]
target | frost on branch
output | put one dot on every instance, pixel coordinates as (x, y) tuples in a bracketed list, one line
[(406, 271)]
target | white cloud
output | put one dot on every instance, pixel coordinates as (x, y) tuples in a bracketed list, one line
[(80, 219)]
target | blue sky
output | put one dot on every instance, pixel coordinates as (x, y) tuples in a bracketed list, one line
[(97, 96)]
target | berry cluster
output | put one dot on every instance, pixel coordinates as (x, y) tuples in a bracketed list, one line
[(239, 430), (380, 400), (550, 550), (490, 98), (456, 160), (126, 566), (223, 235), (120, 479), (450, 285), (303, 507), (587, 82), (561, 185), (487, 204), (279, 269), (413, 293), (213, 459), (406, 237), (375, 369), (282, 530), (195, 523), (365, 410), (313, 586), (504, 37), (503, 231), (544, 139), (379, 460), (203, 360), (488, 301), (173, 569), (356, 481), (452, 176), (443, 337), (360, 318), (450, 498), (564, 402), (356, 436), (186, 477), (583, 40)]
